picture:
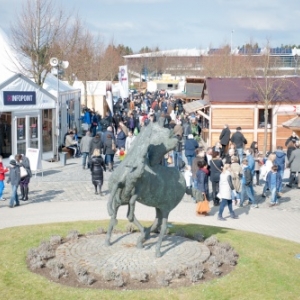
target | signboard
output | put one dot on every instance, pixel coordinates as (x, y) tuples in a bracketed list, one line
[(123, 78), (19, 98), (35, 159)]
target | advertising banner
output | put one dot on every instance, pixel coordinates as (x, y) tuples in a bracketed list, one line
[(123, 78), (19, 98)]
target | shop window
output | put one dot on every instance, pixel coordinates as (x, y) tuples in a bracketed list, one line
[(261, 118)]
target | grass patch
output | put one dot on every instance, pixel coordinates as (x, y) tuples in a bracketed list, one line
[(267, 267)]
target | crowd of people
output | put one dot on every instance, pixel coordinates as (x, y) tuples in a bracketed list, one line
[(231, 167), (19, 175)]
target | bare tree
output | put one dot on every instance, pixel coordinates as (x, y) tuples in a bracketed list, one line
[(34, 33), (268, 88)]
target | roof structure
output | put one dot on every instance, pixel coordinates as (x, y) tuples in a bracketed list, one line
[(245, 90), (293, 124)]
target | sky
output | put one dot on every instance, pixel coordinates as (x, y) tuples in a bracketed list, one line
[(179, 24)]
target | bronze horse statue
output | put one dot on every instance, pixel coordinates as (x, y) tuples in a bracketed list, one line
[(140, 177)]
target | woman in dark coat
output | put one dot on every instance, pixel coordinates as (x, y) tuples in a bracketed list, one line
[(109, 152), (97, 166), (216, 166), (121, 138), (290, 148), (23, 161)]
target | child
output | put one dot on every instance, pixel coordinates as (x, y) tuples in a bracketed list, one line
[(247, 185), (2, 178), (122, 154), (14, 179), (188, 176), (202, 177), (273, 184)]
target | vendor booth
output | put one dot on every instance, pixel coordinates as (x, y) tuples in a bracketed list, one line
[(28, 116)]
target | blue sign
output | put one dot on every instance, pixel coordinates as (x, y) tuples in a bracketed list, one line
[(19, 98)]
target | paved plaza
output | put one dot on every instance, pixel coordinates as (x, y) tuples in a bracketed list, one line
[(66, 193)]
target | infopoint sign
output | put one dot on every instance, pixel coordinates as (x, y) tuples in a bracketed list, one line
[(19, 98)]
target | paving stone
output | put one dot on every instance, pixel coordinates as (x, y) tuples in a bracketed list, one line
[(91, 253)]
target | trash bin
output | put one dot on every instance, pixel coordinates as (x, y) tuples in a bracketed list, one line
[(63, 158)]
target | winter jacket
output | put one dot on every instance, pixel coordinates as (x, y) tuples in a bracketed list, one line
[(190, 146), (178, 147), (225, 136), (202, 180), (216, 166), (69, 142), (289, 151), (247, 176), (186, 129), (280, 160), (14, 175), (97, 166), (294, 161), (108, 147), (121, 139), (95, 143), (85, 143), (236, 174), (195, 167), (225, 185), (2, 171), (251, 163), (128, 142), (238, 139), (26, 164), (278, 180)]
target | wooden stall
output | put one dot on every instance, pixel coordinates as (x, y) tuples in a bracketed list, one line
[(233, 102)]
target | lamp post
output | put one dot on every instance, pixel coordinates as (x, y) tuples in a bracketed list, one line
[(231, 38), (58, 65), (296, 57)]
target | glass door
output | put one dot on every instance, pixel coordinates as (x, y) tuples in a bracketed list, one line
[(21, 135), (33, 138), (26, 132)]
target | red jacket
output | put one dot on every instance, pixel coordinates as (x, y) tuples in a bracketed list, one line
[(2, 172)]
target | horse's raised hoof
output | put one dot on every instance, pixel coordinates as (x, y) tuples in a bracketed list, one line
[(158, 254), (130, 217)]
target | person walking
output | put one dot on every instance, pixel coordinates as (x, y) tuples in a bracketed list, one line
[(96, 143), (247, 185), (239, 140), (24, 162), (85, 145), (224, 138), (97, 166), (202, 177), (294, 163), (280, 163), (216, 166), (2, 178), (129, 139), (189, 148), (274, 181), (14, 179), (177, 157), (225, 190), (268, 166), (109, 151)]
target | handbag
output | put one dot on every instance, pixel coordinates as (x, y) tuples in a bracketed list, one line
[(23, 172), (202, 207)]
